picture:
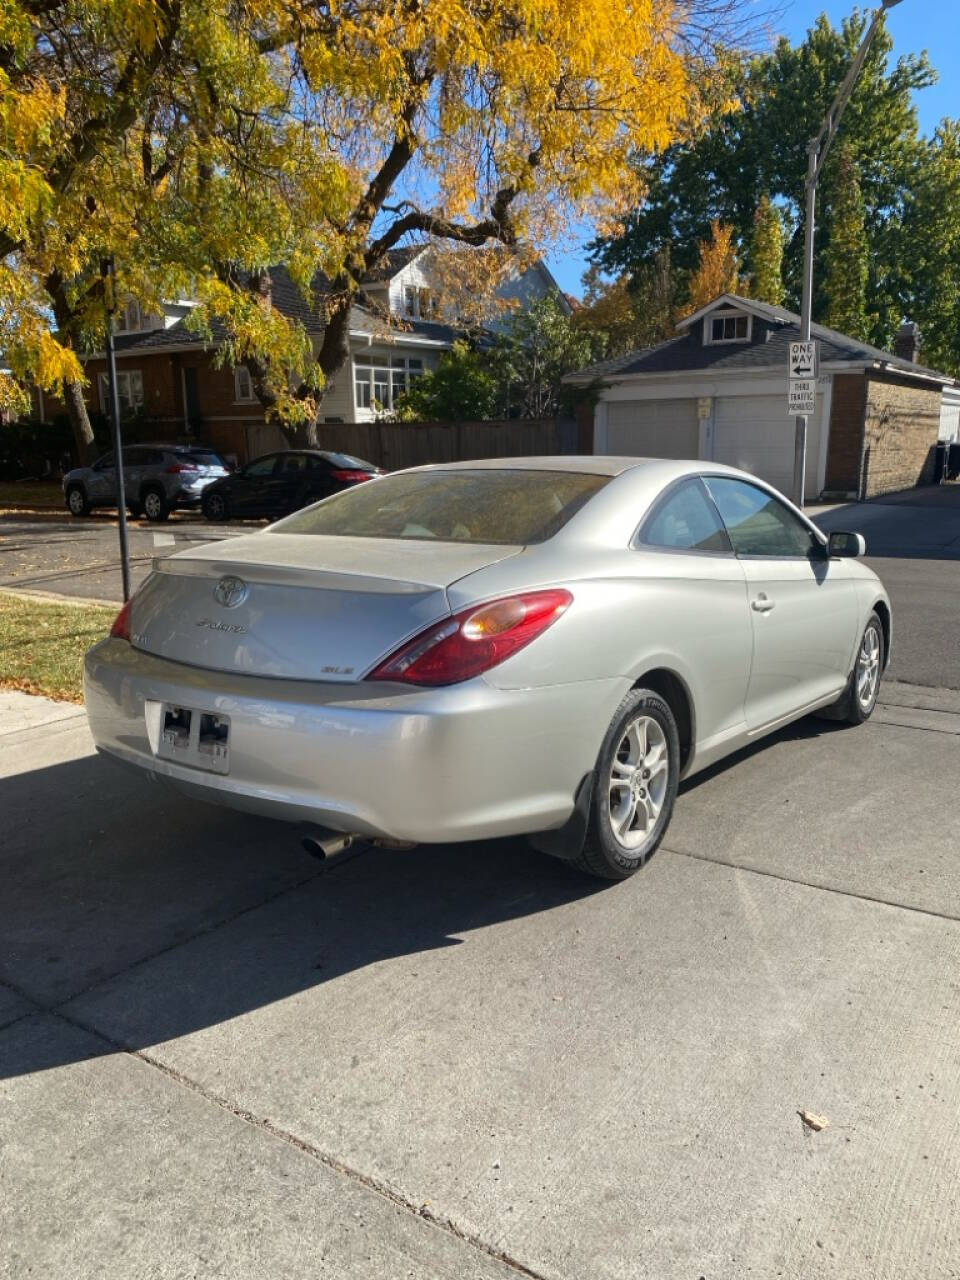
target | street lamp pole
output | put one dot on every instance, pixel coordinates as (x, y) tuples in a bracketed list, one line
[(110, 291), (817, 150)]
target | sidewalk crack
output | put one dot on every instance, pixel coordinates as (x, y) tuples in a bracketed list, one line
[(812, 884)]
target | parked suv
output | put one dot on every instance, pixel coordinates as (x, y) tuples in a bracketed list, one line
[(156, 477)]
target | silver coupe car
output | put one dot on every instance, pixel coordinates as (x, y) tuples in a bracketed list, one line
[(539, 646)]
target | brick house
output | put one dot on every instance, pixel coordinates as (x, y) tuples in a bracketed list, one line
[(718, 391), (172, 387)]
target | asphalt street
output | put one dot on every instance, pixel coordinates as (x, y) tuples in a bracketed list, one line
[(82, 557), (469, 1063)]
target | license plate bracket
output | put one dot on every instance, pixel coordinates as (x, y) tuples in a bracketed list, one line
[(195, 738)]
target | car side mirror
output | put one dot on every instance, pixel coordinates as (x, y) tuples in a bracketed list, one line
[(841, 544)]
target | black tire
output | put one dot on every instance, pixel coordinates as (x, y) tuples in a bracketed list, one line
[(155, 505), (215, 507), (852, 707), (605, 853), (78, 504)]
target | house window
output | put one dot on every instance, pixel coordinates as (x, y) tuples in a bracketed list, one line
[(379, 381), (130, 319), (730, 328), (419, 303), (129, 392), (243, 392)]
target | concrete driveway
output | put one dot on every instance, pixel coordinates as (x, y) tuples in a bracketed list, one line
[(219, 1059)]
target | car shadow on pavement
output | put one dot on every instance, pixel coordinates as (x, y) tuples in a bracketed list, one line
[(155, 916), (800, 731)]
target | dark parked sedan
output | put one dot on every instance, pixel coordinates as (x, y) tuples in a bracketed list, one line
[(279, 483)]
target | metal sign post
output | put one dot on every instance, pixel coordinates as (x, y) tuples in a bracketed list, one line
[(111, 301), (817, 150)]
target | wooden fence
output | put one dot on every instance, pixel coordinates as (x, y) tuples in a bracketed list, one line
[(410, 444)]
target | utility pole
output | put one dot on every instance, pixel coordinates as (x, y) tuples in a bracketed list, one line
[(110, 294), (817, 150)]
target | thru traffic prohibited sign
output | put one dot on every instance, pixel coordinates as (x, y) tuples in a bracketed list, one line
[(803, 359), (802, 396)]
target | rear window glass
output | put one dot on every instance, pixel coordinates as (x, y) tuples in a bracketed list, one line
[(204, 457), (512, 508), (346, 462)]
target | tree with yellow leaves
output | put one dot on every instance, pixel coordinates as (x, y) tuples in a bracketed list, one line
[(718, 270), (199, 142)]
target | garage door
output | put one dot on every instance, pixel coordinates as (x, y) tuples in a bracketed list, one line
[(757, 434), (653, 428)]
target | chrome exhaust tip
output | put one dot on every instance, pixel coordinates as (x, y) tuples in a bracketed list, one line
[(325, 847)]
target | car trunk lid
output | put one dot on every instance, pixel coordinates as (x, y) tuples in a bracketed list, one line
[(298, 606)]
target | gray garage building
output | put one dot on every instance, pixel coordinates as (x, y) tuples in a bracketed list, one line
[(718, 391)]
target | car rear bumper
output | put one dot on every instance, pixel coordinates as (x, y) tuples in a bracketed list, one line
[(460, 763)]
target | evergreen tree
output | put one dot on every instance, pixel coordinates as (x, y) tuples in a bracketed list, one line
[(766, 254), (845, 257)]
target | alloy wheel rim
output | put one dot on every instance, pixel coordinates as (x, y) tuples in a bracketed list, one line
[(76, 500), (215, 505), (868, 667), (637, 785), (151, 504)]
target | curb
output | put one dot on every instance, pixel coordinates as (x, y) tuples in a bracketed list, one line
[(51, 597)]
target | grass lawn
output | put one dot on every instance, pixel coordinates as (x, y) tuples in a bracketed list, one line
[(42, 644), (31, 493)]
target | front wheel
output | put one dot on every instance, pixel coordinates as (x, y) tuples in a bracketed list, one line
[(78, 504), (859, 699), (635, 786)]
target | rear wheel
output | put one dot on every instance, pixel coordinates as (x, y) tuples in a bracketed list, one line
[(215, 506), (634, 789), (77, 502), (155, 504)]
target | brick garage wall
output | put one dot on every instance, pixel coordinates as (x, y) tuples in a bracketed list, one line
[(846, 433), (901, 424)]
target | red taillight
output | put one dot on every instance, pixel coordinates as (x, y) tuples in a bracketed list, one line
[(473, 640), (176, 467), (351, 477), (121, 623)]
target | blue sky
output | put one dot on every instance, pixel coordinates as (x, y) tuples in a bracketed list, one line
[(933, 25)]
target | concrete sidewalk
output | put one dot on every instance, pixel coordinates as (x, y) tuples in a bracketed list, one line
[(471, 1062)]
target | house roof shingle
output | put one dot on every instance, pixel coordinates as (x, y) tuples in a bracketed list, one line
[(684, 354), (310, 312)]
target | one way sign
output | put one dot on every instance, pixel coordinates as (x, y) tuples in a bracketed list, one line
[(803, 359)]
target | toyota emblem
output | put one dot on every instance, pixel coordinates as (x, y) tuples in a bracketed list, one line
[(230, 592)]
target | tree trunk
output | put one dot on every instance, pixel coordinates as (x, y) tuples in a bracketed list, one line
[(72, 391), (332, 356), (80, 422)]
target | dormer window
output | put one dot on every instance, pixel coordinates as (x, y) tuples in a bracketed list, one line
[(130, 318), (730, 326), (419, 303)]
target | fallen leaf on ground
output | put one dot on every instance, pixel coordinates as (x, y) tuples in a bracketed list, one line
[(813, 1121)]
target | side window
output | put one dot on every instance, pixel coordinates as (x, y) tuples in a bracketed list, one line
[(262, 467), (294, 463), (104, 463), (685, 520), (758, 523)]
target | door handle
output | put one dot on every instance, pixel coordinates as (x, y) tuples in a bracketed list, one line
[(762, 604)]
